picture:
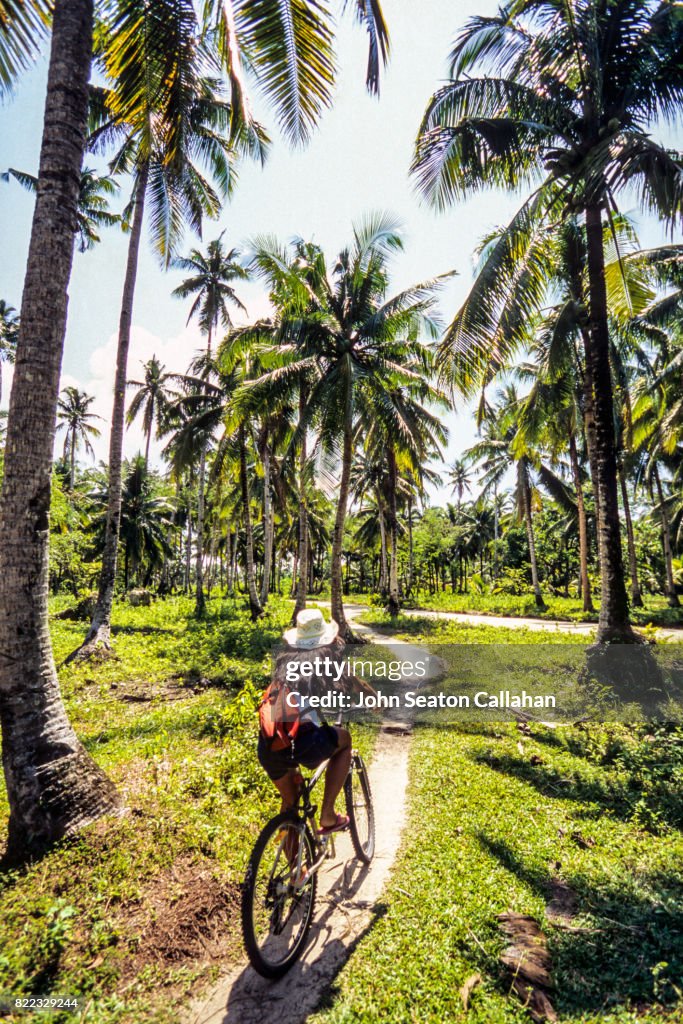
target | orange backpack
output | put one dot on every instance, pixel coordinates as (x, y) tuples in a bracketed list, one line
[(276, 716)]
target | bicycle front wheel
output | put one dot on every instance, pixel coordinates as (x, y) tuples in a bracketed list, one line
[(278, 895), (360, 810)]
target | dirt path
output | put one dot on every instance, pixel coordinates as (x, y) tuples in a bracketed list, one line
[(674, 635), (347, 905)]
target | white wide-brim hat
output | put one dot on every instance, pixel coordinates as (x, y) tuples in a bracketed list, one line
[(311, 630)]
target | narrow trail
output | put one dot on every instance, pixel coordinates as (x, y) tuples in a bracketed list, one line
[(347, 905), (673, 634)]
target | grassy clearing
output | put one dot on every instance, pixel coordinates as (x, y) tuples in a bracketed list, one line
[(135, 914), (490, 830)]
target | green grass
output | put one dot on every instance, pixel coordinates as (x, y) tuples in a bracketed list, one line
[(487, 832), (561, 609), (113, 915)]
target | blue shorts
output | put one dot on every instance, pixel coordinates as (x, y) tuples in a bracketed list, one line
[(313, 745)]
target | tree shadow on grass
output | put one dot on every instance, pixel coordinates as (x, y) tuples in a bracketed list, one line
[(621, 795), (627, 946)]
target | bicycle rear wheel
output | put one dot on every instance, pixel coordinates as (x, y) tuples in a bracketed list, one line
[(360, 810), (276, 914)]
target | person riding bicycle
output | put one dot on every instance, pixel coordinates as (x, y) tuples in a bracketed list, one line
[(315, 741)]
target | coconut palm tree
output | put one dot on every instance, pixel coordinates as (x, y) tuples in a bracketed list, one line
[(93, 202), (162, 135), (213, 295), (209, 284), (152, 399), (9, 335), (74, 416), (564, 94), (497, 449), (459, 478), (357, 346), (53, 785)]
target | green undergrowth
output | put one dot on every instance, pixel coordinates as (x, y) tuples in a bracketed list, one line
[(497, 821), (140, 912)]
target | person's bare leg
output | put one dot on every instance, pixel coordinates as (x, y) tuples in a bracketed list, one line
[(337, 771), (288, 789)]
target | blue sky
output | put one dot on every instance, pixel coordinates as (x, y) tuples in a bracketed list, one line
[(357, 162)]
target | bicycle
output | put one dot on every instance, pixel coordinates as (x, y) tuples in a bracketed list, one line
[(278, 895)]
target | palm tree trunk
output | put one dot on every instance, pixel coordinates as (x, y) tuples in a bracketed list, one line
[(53, 786), (394, 605), (636, 596), (583, 526), (147, 440), (250, 574), (410, 545), (670, 588), (338, 535), (72, 470), (302, 579), (613, 623), (383, 569), (529, 522), (268, 525), (99, 634), (200, 599)]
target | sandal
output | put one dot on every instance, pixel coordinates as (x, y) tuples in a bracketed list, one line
[(343, 821)]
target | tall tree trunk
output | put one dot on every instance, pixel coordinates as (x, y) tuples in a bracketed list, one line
[(302, 579), (636, 596), (99, 634), (394, 604), (583, 526), (147, 440), (72, 468), (670, 586), (268, 524), (250, 574), (410, 545), (53, 786), (613, 623), (338, 534), (529, 523), (383, 568), (188, 554), (200, 598)]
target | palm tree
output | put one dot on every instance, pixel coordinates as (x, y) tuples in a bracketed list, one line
[(93, 199), (459, 476), (357, 347), (567, 91), (9, 335), (73, 414), (498, 448), (211, 274), (160, 132), (146, 517), (53, 786), (152, 399), (210, 284)]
